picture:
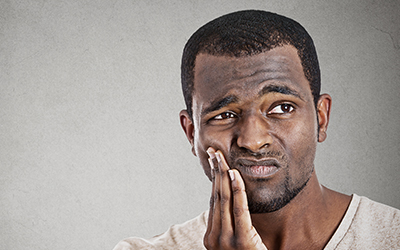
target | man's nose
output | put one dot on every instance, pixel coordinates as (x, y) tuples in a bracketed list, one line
[(254, 133)]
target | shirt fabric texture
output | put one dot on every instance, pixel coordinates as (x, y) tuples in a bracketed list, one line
[(366, 225)]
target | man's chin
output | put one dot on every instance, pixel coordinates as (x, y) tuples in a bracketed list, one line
[(272, 201), (267, 207)]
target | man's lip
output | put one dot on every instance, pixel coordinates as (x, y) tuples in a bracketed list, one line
[(258, 168), (264, 162)]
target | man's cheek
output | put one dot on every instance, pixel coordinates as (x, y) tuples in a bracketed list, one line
[(218, 141)]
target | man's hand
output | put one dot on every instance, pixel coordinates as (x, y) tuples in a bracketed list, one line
[(229, 221)]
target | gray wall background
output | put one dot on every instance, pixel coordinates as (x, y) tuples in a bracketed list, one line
[(91, 146)]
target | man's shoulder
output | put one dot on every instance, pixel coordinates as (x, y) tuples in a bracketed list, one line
[(382, 218), (188, 235), (377, 210), (376, 214), (368, 224)]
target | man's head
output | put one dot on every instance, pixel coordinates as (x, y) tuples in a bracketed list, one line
[(246, 33), (250, 98)]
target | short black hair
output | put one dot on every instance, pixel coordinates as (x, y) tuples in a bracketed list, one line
[(247, 33)]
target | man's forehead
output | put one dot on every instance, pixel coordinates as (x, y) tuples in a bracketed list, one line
[(239, 67), (220, 72)]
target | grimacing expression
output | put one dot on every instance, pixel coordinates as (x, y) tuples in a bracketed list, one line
[(259, 111)]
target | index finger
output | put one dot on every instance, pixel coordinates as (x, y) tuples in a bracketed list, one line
[(240, 208), (246, 236), (212, 161)]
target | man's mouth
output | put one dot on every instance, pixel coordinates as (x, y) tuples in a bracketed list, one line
[(258, 168)]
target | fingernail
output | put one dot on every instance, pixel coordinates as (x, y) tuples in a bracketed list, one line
[(211, 153), (211, 163), (218, 156), (231, 175)]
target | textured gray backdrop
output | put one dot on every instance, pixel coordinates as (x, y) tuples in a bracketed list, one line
[(91, 146)]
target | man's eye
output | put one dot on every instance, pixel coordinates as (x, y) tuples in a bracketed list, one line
[(225, 115), (281, 109)]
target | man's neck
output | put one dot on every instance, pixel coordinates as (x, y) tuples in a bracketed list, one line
[(307, 222)]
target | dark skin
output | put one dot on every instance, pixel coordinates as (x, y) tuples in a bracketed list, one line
[(255, 130)]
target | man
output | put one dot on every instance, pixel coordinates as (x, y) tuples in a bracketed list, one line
[(254, 115)]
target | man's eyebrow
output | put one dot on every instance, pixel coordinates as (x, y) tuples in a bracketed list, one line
[(279, 89), (218, 104)]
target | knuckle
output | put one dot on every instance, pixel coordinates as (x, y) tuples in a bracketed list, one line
[(216, 196), (225, 242), (212, 201), (208, 245), (238, 190), (237, 211), (208, 242), (212, 176), (224, 199), (241, 244)]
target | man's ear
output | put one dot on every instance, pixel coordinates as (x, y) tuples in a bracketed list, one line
[(323, 112), (188, 127)]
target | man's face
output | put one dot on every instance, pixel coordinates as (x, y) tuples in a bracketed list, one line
[(259, 111)]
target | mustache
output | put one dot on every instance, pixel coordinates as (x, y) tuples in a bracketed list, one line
[(264, 158), (234, 154)]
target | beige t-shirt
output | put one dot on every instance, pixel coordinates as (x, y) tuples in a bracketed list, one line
[(366, 225)]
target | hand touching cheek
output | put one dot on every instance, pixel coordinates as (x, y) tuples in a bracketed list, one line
[(229, 222)]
